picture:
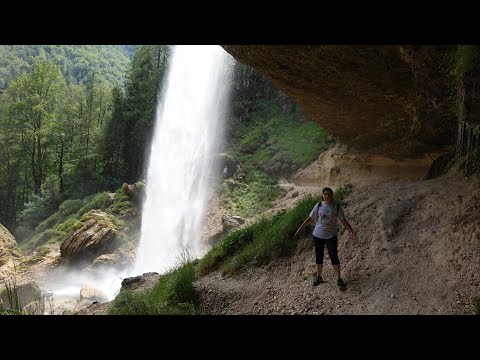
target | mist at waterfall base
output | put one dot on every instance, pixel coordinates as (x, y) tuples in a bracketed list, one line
[(67, 282), (181, 170), (187, 133)]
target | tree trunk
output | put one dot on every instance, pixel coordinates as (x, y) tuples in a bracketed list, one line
[(39, 163), (60, 166), (36, 187)]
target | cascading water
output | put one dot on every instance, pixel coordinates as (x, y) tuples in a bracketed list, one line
[(186, 137), (187, 132)]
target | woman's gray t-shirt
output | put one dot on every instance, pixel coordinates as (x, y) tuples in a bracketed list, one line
[(326, 215)]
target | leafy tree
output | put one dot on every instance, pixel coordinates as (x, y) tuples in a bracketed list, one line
[(34, 99), (52, 127), (114, 139), (11, 165), (90, 108), (144, 80)]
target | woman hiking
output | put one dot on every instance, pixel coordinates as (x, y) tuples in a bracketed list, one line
[(325, 233)]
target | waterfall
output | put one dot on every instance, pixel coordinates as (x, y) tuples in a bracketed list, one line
[(181, 168)]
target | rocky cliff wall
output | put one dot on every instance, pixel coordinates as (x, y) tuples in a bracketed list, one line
[(391, 101)]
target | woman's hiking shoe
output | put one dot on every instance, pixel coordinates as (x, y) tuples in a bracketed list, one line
[(317, 280), (341, 284)]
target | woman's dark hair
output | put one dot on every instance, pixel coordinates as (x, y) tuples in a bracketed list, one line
[(327, 189)]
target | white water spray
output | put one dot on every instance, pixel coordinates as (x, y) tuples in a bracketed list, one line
[(186, 137)]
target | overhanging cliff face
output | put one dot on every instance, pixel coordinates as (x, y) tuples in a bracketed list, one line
[(388, 100)]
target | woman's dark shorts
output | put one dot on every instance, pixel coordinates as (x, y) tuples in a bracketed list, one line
[(331, 248)]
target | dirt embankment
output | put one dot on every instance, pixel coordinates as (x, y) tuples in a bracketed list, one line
[(417, 252)]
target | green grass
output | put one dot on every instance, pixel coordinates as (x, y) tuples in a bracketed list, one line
[(97, 201), (173, 294), (259, 242), (10, 293), (274, 135), (72, 223), (10, 300), (48, 236), (253, 196), (121, 203), (302, 142)]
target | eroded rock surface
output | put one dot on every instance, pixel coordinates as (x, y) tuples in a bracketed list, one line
[(384, 100)]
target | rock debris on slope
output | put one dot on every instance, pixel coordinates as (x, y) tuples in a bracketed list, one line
[(417, 252)]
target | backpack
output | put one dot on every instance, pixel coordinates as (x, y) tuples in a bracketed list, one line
[(338, 206), (318, 207)]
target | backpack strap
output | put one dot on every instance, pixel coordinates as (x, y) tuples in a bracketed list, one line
[(318, 207)]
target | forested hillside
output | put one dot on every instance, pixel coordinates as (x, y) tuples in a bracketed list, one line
[(109, 62), (65, 131)]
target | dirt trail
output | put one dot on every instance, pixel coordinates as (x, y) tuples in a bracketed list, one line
[(417, 252)]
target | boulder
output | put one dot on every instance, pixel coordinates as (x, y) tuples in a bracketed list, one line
[(96, 237)]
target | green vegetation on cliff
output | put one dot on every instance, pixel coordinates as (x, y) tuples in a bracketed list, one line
[(274, 143)]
